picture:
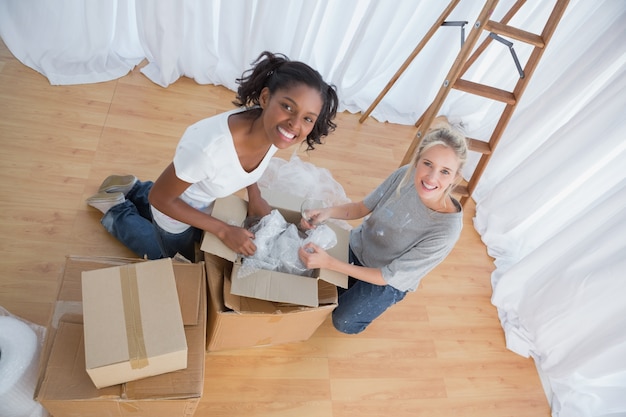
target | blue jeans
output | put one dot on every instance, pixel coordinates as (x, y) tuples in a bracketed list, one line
[(362, 303), (131, 223)]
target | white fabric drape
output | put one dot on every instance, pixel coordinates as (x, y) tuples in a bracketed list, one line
[(552, 212), (72, 42), (551, 204)]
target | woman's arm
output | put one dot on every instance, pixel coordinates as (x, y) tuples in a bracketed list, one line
[(164, 196), (257, 206), (315, 257), (349, 211)]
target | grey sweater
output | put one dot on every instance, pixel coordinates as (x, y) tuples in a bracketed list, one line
[(403, 237)]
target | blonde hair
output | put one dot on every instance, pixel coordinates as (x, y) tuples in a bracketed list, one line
[(445, 136)]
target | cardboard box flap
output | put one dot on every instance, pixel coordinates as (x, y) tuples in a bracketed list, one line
[(276, 286), (248, 305), (327, 293), (189, 282), (215, 267), (245, 304), (65, 376), (132, 322), (231, 210)]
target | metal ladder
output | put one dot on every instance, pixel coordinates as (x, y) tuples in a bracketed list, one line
[(499, 31)]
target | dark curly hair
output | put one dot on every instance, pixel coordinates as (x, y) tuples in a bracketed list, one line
[(276, 71)]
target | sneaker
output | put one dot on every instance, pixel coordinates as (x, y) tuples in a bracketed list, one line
[(117, 184), (103, 201)]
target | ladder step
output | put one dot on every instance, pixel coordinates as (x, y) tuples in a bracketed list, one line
[(515, 33), (461, 190), (485, 91), (479, 146)]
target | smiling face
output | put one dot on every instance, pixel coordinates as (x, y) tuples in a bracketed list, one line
[(290, 114), (435, 171)]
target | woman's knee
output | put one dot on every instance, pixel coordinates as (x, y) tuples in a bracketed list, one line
[(347, 325)]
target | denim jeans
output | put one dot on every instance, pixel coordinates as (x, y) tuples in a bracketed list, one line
[(362, 303), (131, 223)]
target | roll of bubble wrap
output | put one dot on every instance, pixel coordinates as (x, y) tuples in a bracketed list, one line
[(19, 354)]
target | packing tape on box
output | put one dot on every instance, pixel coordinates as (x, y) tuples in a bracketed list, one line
[(132, 316), (19, 354)]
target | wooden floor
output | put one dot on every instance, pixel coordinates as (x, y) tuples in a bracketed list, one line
[(440, 352)]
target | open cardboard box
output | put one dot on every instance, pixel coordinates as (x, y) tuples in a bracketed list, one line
[(272, 285), (66, 390), (237, 322)]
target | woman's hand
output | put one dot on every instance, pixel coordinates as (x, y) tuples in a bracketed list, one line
[(349, 211), (239, 240), (314, 217), (313, 256)]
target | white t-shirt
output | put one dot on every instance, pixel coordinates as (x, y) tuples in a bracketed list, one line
[(206, 158)]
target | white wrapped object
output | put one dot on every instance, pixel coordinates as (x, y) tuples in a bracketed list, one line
[(323, 236), (266, 231), (278, 243), (19, 358)]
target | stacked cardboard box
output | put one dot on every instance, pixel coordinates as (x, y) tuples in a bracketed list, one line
[(65, 388), (132, 322), (270, 307)]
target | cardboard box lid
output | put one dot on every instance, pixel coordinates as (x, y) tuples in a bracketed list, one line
[(133, 322), (233, 210)]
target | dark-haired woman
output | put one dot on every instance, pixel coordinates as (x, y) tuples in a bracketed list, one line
[(279, 103)]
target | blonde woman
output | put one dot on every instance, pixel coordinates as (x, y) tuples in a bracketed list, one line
[(412, 224)]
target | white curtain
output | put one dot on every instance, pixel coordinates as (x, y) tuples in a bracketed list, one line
[(551, 204), (552, 212), (72, 42)]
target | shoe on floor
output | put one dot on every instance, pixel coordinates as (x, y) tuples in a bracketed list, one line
[(103, 201), (117, 184)]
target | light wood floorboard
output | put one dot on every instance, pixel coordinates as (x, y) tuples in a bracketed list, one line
[(440, 352)]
